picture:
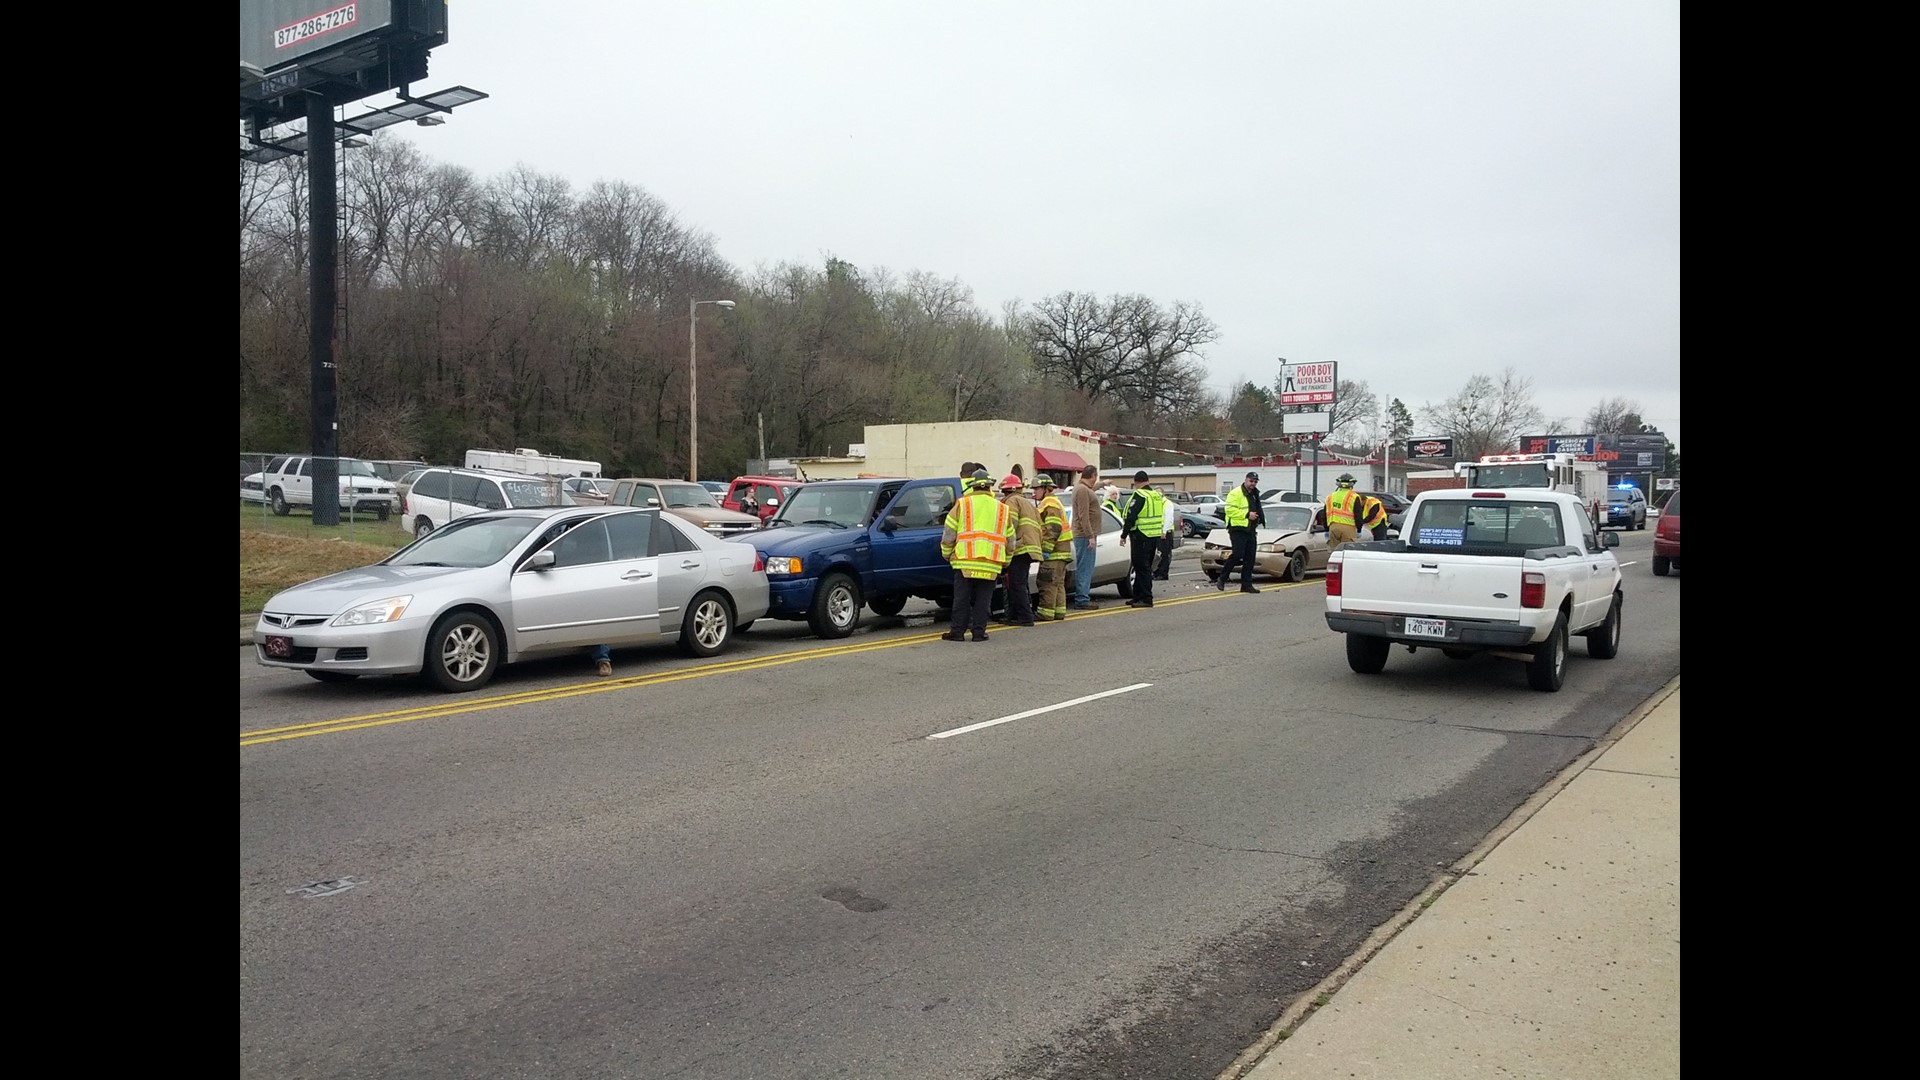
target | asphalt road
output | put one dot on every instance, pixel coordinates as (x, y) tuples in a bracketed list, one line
[(790, 861)]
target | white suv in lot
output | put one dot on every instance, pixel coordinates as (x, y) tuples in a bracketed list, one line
[(438, 496)]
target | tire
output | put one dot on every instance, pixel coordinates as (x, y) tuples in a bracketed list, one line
[(887, 606), (332, 676), (1603, 642), (1212, 575), (279, 503), (1125, 586), (463, 652), (1548, 668), (421, 527), (383, 513), (1296, 566), (836, 607), (1457, 654), (708, 626), (1661, 564), (1367, 655)]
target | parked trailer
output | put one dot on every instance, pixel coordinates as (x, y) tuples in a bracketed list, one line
[(524, 460)]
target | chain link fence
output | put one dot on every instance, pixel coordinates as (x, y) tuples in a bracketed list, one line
[(277, 493)]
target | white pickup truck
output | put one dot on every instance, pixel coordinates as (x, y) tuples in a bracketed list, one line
[(1514, 572)]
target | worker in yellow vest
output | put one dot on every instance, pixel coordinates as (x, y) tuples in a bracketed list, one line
[(1146, 523), (1025, 549), (1056, 546), (1343, 512), (975, 542)]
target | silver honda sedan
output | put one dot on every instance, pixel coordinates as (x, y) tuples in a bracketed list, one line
[(510, 585)]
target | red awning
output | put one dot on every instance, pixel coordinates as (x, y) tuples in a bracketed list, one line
[(1057, 460)]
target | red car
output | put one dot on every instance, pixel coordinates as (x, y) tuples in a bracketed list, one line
[(1666, 538), (762, 495)]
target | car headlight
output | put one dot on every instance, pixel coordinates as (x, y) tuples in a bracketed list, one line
[(783, 565), (1275, 548), (380, 611), (1215, 547)]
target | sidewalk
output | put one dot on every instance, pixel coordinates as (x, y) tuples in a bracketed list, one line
[(1555, 952)]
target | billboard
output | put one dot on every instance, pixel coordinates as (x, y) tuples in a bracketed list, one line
[(1307, 384), (274, 33), (1306, 423), (1429, 448), (1556, 444)]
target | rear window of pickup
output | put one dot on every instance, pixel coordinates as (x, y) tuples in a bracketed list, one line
[(1485, 526)]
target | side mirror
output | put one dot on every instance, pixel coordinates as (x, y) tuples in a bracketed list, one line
[(541, 560), (773, 502), (1609, 539), (653, 502)]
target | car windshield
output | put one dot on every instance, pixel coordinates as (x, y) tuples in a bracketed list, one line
[(1288, 517), (1673, 505), (847, 506), (1529, 474), (1625, 495), (412, 476), (356, 468), (473, 541), (684, 496), (536, 493)]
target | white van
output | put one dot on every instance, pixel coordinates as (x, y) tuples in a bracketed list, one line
[(438, 496)]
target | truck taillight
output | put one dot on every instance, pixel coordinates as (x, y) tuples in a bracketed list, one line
[(1533, 589), (1333, 576)]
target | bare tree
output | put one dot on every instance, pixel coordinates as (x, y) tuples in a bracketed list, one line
[(1488, 415), (1129, 349), (1613, 416)]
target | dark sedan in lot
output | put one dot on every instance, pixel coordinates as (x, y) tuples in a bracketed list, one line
[(1196, 525)]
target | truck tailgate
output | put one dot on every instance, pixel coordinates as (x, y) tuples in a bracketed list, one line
[(1442, 586)]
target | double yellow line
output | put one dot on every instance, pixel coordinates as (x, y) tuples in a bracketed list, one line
[(462, 705)]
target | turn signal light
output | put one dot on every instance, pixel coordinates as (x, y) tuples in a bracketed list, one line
[(1533, 589), (1333, 576)]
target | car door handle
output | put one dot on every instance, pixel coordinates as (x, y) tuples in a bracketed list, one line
[(692, 564), (636, 575)]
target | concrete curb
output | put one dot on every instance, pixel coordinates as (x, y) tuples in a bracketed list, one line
[(1285, 1027)]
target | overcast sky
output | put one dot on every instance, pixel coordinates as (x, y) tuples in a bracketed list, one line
[(1420, 191)]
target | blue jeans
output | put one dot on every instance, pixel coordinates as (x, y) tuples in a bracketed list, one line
[(602, 652), (1082, 570)]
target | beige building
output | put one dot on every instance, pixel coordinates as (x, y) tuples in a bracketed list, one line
[(930, 450)]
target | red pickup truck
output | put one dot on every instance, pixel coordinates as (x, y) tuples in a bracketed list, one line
[(762, 495)]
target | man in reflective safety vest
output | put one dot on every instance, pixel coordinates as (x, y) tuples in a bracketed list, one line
[(1343, 511), (1373, 516), (975, 542), (1146, 524), (1170, 539), (1056, 543), (1025, 549), (1243, 517)]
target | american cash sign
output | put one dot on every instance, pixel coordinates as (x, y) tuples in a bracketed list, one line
[(1307, 384)]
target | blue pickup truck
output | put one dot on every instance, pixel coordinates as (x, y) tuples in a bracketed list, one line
[(839, 544)]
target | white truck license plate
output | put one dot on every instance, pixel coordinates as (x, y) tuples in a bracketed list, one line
[(1426, 628)]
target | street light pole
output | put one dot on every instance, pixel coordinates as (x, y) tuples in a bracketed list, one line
[(693, 383)]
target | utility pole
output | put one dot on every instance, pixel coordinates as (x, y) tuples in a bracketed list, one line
[(760, 419)]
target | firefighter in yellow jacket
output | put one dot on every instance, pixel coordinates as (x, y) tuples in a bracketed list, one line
[(1023, 552), (1345, 509), (1056, 545), (975, 542)]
